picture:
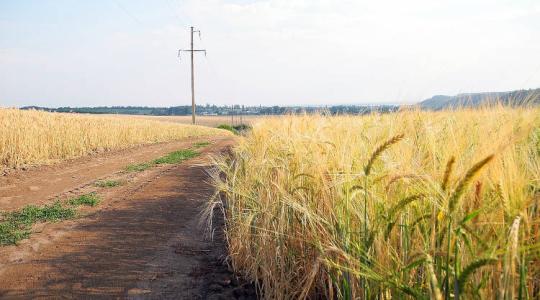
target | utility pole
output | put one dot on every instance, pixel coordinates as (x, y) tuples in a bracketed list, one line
[(192, 51), (232, 116), (241, 115)]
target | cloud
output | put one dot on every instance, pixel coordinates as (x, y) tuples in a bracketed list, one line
[(297, 51)]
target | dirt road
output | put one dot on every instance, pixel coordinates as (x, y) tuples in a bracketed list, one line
[(142, 241)]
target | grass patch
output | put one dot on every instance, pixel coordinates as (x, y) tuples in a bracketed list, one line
[(242, 127), (11, 233), (16, 225), (200, 144), (31, 214), (107, 183), (175, 157), (228, 127), (138, 167), (236, 129), (171, 158), (89, 199)]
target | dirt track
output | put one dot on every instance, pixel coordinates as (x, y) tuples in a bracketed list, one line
[(142, 241)]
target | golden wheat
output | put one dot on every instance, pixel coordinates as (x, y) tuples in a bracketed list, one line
[(212, 121), (35, 137), (335, 207)]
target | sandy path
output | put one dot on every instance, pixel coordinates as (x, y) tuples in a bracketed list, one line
[(38, 185), (142, 241)]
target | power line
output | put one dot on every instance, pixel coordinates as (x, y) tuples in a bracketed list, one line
[(174, 9), (232, 85), (192, 51), (122, 8)]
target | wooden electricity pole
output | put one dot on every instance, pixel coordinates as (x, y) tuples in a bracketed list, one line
[(192, 51)]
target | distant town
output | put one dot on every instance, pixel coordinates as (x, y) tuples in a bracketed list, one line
[(214, 110), (438, 102)]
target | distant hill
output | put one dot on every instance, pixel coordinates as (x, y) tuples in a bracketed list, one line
[(514, 98)]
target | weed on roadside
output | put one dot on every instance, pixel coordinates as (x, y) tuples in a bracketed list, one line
[(107, 183), (138, 167), (228, 127), (171, 158), (175, 157), (200, 145), (89, 199), (15, 226)]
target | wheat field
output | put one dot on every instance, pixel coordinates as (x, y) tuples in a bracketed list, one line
[(211, 121), (36, 137), (410, 205)]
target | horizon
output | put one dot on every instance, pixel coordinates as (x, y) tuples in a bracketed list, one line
[(220, 105), (270, 53), (308, 105)]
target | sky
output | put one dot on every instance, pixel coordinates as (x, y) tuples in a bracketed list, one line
[(263, 52)]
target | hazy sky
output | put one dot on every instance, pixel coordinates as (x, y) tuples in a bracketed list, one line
[(123, 52)]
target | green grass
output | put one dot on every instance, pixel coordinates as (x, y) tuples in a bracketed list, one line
[(138, 167), (242, 127), (31, 214), (107, 183), (11, 233), (89, 199), (228, 127), (236, 129), (171, 158), (200, 145), (175, 157), (15, 226)]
